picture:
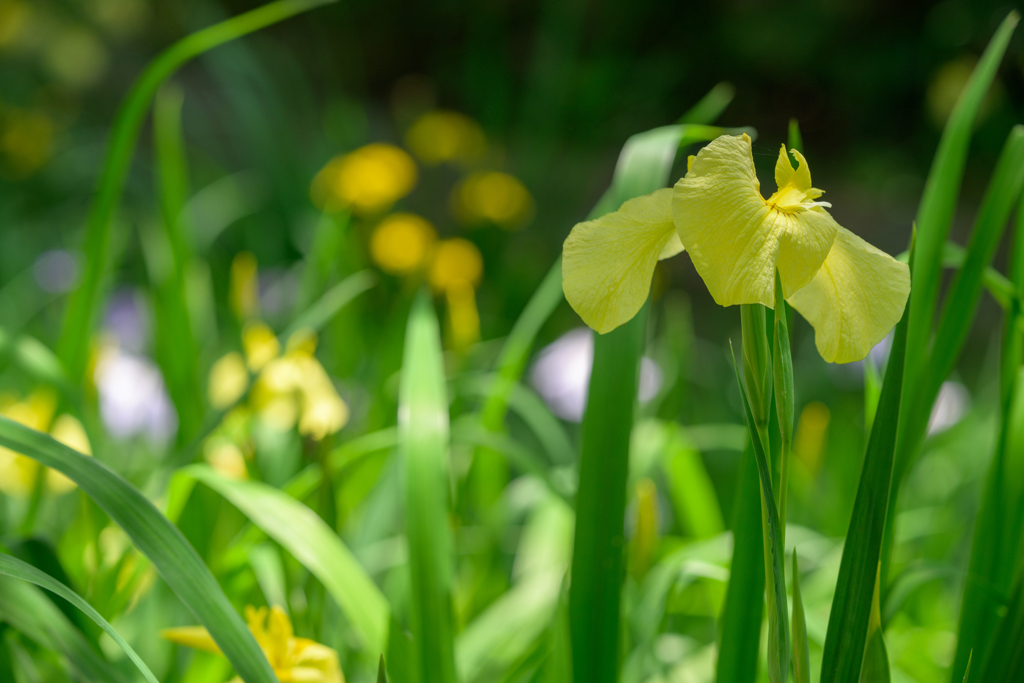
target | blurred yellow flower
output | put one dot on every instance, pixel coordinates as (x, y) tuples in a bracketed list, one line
[(294, 660), (26, 141), (401, 243), (440, 136), (463, 318), (260, 344), (226, 458), (244, 293), (13, 14), (455, 261), (229, 378), (811, 429), (493, 197), (120, 18), (368, 180), (18, 472), (76, 57)]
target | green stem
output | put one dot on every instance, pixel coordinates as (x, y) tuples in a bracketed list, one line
[(73, 348)]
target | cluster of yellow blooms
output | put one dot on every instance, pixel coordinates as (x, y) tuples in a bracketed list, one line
[(371, 179), (293, 659), (850, 292), (17, 472)]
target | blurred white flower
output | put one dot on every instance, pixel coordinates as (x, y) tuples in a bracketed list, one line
[(950, 405), (561, 374), (55, 271), (133, 399)]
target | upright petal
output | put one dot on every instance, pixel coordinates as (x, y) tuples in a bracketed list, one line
[(736, 238), (191, 636), (721, 219), (854, 300), (608, 263)]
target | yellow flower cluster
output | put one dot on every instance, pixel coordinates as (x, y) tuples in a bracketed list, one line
[(17, 472), (292, 659), (368, 180), (850, 292), (290, 389)]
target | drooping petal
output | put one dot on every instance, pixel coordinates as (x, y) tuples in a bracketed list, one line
[(736, 238), (191, 636), (608, 263), (854, 300)]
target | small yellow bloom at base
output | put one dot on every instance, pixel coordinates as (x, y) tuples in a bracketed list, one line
[(368, 180), (608, 263), (854, 300), (297, 660), (18, 472), (229, 378), (70, 432), (455, 261), (401, 243)]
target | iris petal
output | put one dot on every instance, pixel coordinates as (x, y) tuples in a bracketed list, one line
[(608, 263), (737, 239), (854, 300)]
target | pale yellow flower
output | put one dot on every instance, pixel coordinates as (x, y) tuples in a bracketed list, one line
[(850, 292), (260, 345), (293, 659), (229, 378), (455, 261), (440, 136), (370, 179), (402, 243)]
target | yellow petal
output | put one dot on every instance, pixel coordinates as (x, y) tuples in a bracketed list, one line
[(736, 238), (191, 636), (608, 263), (854, 300)]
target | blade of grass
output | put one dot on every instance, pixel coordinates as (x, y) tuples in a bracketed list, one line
[(176, 348), (84, 302), (333, 300), (28, 610), (710, 107), (934, 218), (801, 650), (157, 539), (423, 444), (382, 673), (1005, 660), (859, 568), (996, 542), (308, 538), (740, 637), (775, 578), (13, 567), (597, 561)]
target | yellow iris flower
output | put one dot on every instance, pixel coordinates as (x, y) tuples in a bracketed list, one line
[(293, 659), (850, 292)]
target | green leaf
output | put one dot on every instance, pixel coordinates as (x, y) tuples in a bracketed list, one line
[(28, 610), (423, 444), (693, 494), (156, 538), (775, 575), (801, 650), (314, 544), (382, 673), (333, 300), (1005, 659), (859, 568), (710, 107), (785, 395), (744, 599), (597, 563), (12, 566), (84, 303)]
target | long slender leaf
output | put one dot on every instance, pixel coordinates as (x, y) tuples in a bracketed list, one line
[(306, 536), (710, 107), (156, 538), (740, 637), (423, 444), (597, 563), (12, 566), (1005, 660), (82, 308), (333, 300), (28, 610), (859, 568), (778, 651), (801, 650)]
